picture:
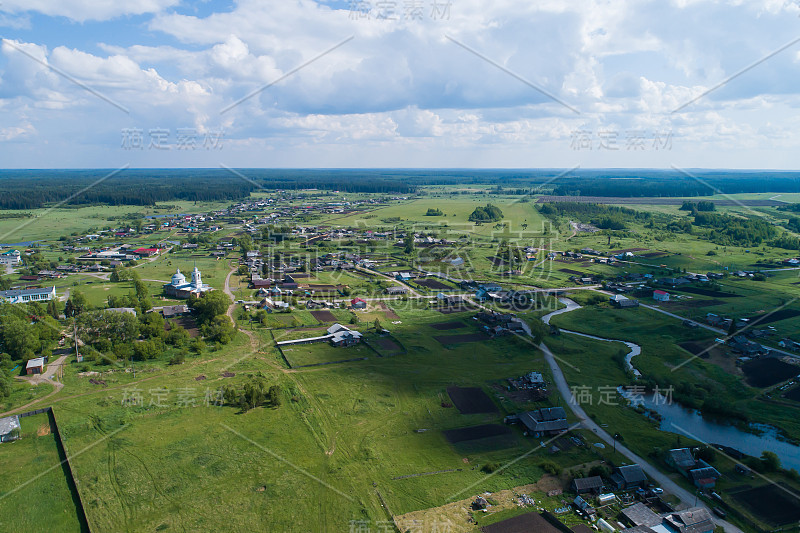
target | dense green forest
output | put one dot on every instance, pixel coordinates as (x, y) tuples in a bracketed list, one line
[(603, 216), (646, 183), (30, 189), (23, 189), (728, 230)]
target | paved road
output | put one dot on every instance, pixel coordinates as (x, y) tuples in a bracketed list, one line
[(718, 331), (563, 388)]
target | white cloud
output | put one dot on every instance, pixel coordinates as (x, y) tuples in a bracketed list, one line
[(625, 65), (83, 10)]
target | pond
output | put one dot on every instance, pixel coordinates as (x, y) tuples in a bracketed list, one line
[(690, 423)]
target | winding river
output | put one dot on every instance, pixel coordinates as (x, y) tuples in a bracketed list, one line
[(689, 422)]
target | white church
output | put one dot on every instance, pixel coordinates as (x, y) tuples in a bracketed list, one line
[(180, 288)]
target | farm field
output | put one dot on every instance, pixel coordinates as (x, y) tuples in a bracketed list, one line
[(412, 420), (33, 472), (52, 223), (372, 439)]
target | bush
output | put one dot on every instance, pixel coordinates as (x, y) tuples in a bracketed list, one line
[(550, 467), (490, 467)]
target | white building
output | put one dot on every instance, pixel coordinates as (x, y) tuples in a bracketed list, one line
[(11, 257), (180, 288), (16, 296)]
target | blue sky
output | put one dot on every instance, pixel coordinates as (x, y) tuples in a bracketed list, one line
[(405, 83)]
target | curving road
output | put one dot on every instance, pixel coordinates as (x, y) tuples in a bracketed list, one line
[(563, 388)]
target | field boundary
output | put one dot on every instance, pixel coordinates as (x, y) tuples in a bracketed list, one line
[(283, 355), (334, 362), (62, 455)]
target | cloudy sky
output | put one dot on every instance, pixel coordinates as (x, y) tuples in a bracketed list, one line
[(403, 83)]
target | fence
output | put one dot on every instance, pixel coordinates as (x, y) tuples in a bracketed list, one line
[(67, 468)]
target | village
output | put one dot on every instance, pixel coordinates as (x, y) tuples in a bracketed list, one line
[(319, 294)]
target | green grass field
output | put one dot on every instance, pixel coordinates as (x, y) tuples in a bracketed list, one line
[(34, 492), (349, 440), (340, 429)]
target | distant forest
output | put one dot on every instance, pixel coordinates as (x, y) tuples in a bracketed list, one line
[(30, 189), (675, 184)]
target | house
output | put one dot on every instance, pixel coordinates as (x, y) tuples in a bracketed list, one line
[(789, 343), (16, 296), (396, 290), (35, 366), (453, 301), (129, 310), (660, 296), (11, 258), (746, 347), (261, 283), (312, 304), (403, 276), (358, 303), (704, 476), (694, 520), (545, 421), (9, 428), (170, 311), (340, 335), (623, 302), (640, 515), (345, 338), (628, 477), (582, 485), (145, 252), (681, 459), (480, 504), (699, 472)]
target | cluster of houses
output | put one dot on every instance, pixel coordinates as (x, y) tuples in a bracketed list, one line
[(497, 324), (639, 517), (742, 343), (699, 472), (120, 253), (642, 519)]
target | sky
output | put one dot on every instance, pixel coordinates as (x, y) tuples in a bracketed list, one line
[(400, 83)]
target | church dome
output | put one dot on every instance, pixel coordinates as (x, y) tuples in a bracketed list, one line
[(178, 278)]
